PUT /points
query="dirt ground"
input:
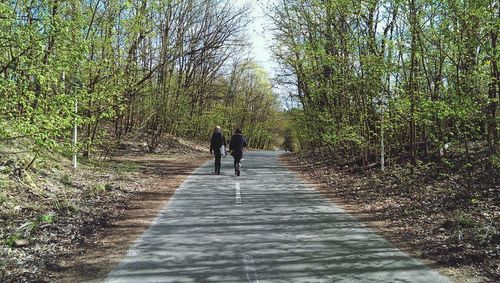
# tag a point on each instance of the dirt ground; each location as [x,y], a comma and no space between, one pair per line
[101,251]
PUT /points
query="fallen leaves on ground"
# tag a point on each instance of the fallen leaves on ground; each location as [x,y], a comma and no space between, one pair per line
[440,213]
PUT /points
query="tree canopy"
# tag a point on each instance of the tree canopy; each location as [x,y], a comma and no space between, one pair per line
[158,67]
[430,68]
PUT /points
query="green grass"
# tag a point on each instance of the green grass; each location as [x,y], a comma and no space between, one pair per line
[495,161]
[11,240]
[47,218]
[102,188]
[64,206]
[4,185]
[128,166]
[3,197]
[464,220]
[66,180]
[99,188]
[116,166]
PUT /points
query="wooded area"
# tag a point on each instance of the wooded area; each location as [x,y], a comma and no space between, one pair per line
[411,84]
[136,87]
[114,67]
[421,73]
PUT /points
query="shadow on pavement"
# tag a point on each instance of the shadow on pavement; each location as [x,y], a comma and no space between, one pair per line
[283,231]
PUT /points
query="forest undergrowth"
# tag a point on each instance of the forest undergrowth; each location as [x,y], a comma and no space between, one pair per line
[51,209]
[444,210]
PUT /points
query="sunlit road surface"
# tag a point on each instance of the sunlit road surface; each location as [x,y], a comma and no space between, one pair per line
[264,226]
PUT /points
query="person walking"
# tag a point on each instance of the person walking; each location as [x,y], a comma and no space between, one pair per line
[236,146]
[216,143]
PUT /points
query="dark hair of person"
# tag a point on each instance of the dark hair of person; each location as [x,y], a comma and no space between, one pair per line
[238,131]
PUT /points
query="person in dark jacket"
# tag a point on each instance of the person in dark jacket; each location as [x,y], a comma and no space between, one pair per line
[216,143]
[236,146]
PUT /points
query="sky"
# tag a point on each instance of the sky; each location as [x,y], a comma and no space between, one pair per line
[259,36]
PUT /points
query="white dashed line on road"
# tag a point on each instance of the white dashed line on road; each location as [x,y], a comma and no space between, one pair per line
[250,270]
[238,194]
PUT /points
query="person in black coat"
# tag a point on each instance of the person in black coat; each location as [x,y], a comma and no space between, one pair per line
[236,146]
[216,142]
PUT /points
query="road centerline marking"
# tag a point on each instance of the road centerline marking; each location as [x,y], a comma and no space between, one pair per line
[238,193]
[250,270]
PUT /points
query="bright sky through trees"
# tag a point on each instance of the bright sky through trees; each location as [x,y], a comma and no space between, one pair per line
[259,34]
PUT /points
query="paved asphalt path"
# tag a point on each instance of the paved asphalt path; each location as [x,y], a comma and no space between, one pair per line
[264,226]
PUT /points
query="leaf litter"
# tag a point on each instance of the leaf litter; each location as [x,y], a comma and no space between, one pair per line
[443,215]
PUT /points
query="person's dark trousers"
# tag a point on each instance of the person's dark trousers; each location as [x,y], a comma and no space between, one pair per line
[218,156]
[237,160]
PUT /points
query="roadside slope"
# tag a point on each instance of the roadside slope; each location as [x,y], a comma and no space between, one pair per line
[421,214]
[59,224]
[159,179]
